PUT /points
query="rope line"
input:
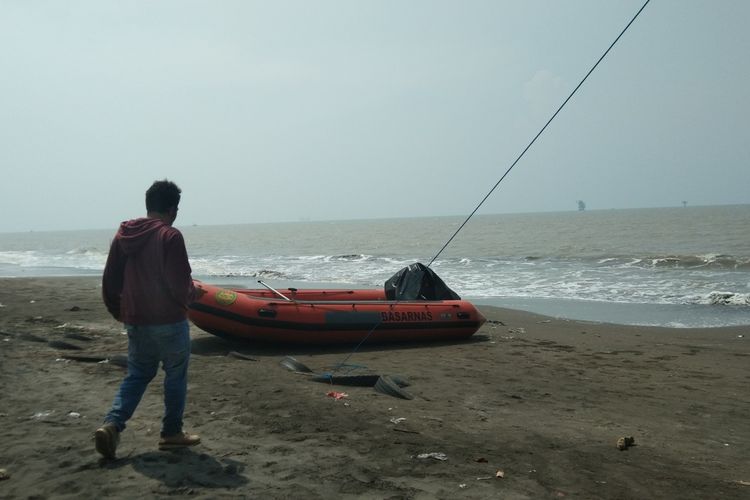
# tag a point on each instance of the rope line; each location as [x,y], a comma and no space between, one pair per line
[343,363]
[539,133]
[340,365]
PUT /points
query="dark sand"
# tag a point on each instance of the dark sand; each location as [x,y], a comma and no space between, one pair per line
[543,400]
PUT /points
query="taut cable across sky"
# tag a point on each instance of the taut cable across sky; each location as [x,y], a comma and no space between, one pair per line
[539,133]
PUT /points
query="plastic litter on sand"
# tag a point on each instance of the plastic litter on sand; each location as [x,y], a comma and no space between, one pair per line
[337,395]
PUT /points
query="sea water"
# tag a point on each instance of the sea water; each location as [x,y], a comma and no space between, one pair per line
[685,266]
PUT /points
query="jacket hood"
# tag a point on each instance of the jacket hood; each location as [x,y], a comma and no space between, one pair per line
[133,234]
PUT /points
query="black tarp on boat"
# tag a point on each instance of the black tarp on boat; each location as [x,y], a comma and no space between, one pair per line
[418,282]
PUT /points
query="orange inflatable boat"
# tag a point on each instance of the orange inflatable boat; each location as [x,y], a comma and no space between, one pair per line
[329,316]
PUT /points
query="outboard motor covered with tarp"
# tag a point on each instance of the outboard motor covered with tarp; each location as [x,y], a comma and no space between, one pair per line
[418,282]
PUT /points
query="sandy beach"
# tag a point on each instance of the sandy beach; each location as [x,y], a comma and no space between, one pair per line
[530,407]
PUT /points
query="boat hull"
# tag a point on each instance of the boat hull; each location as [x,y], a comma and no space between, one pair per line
[329,316]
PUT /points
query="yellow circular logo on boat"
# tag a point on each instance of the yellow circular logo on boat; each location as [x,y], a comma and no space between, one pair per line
[225,297]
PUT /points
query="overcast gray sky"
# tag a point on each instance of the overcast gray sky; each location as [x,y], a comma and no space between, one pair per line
[291,110]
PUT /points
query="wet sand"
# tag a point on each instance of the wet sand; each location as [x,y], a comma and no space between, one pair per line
[540,401]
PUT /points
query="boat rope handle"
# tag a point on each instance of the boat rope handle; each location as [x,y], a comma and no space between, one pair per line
[275,291]
[539,133]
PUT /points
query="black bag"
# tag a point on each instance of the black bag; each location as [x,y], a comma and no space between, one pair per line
[418,282]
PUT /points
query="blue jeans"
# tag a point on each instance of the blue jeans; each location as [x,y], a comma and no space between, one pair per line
[149,345]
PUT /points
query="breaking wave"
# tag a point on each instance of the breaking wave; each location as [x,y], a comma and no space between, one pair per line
[707,261]
[726,298]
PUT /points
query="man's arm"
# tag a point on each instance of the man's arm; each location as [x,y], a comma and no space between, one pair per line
[177,271]
[113,279]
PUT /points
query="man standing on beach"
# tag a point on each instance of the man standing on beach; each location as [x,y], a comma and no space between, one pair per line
[147,285]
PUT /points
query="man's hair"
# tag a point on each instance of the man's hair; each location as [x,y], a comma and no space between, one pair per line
[161,196]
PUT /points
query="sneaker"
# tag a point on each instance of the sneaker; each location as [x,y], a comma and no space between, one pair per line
[107,437]
[180,440]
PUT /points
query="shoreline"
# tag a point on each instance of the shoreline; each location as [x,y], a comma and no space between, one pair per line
[541,399]
[622,313]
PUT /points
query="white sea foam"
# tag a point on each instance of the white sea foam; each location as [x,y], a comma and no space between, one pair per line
[75,260]
[28,258]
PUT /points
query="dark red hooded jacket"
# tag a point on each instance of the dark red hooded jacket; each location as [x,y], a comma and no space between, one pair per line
[147,276]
